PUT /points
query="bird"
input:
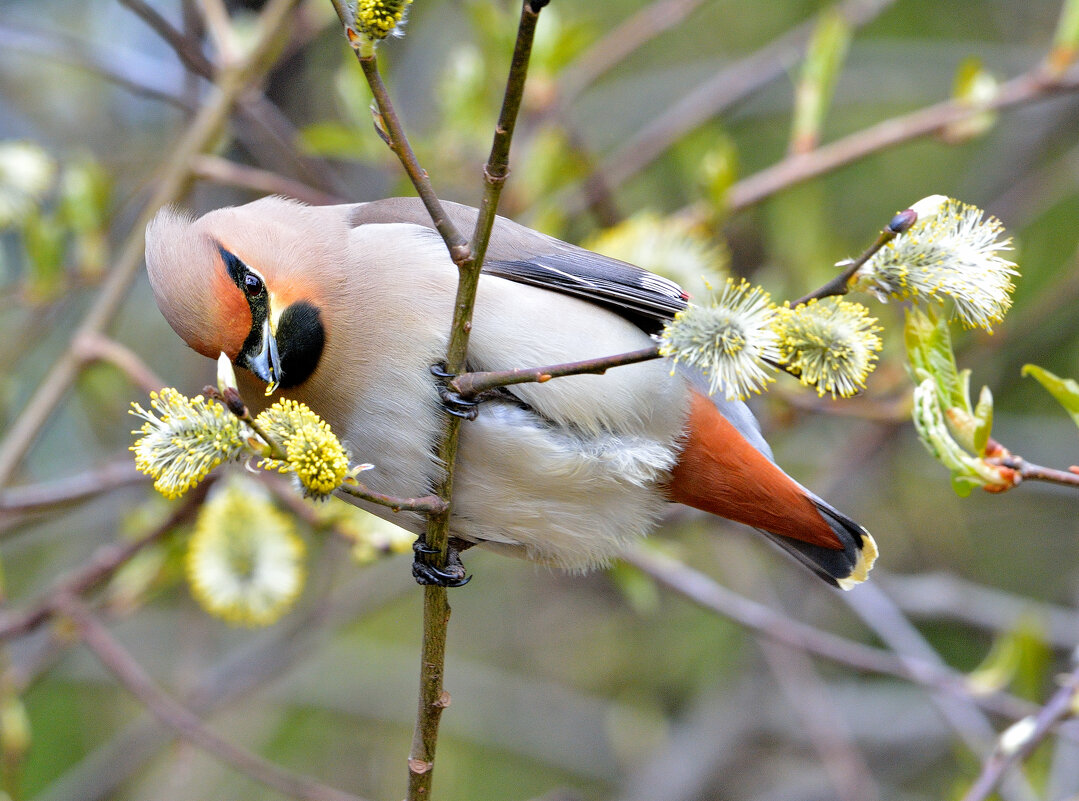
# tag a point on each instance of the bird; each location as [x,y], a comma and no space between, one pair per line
[347,308]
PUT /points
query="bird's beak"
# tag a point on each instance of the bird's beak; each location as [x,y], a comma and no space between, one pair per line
[266,364]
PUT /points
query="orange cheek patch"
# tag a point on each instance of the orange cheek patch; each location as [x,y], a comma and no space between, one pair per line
[298,287]
[230,317]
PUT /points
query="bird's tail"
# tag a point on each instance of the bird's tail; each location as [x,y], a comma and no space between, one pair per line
[723,471]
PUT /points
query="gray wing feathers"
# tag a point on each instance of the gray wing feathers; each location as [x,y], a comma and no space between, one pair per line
[529,257]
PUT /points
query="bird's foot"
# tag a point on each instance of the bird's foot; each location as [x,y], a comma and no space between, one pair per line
[452,575]
[453,402]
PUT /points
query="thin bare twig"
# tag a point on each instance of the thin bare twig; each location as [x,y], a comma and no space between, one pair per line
[389,127]
[1026,88]
[884,618]
[943,596]
[469,259]
[428,504]
[841,283]
[624,39]
[96,347]
[1034,472]
[101,565]
[186,49]
[468,385]
[707,593]
[436,609]
[71,489]
[229,173]
[172,714]
[720,91]
[1006,755]
[64,49]
[812,700]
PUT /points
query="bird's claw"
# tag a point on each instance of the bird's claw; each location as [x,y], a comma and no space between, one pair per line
[439,371]
[452,575]
[452,402]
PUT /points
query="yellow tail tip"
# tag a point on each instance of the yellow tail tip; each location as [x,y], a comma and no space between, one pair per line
[865,562]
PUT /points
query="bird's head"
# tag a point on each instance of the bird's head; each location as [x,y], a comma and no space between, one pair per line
[249,282]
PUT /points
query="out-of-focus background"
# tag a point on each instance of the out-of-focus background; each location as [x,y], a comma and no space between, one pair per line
[604,686]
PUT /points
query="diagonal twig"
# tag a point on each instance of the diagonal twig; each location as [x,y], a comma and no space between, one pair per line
[186,49]
[175,716]
[707,593]
[70,489]
[726,87]
[101,565]
[1033,730]
[1026,88]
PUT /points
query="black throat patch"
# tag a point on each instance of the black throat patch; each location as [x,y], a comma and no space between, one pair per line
[300,334]
[300,340]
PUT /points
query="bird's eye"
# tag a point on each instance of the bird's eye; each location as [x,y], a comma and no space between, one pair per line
[252,285]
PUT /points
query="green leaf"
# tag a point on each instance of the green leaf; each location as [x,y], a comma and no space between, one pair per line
[45,242]
[929,348]
[974,87]
[1065,390]
[963,485]
[1066,38]
[1019,658]
[824,60]
[85,196]
[983,413]
[718,170]
[636,587]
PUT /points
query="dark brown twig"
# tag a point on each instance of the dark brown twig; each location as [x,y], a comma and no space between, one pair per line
[172,714]
[840,285]
[389,127]
[428,504]
[186,50]
[398,142]
[436,609]
[468,385]
[1034,472]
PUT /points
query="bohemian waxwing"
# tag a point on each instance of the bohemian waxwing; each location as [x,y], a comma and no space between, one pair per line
[347,308]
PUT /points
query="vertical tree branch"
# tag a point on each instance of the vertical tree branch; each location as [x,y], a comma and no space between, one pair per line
[469,260]
[436,609]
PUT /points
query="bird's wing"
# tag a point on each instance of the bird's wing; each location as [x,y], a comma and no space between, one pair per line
[520,254]
[643,297]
